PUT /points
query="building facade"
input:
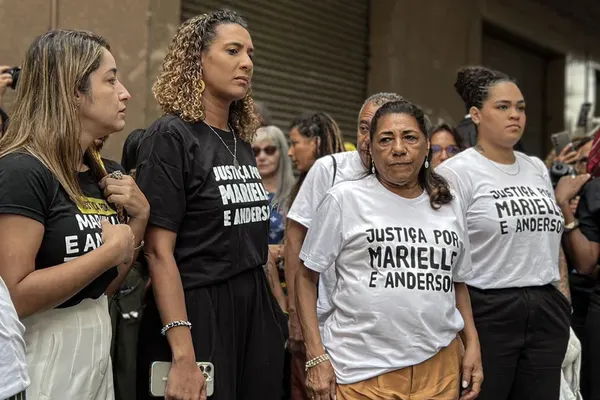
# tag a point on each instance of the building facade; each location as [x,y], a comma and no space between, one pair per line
[328,55]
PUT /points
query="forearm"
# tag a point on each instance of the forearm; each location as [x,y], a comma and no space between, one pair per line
[273,278]
[563,284]
[170,300]
[577,245]
[138,227]
[469,334]
[46,288]
[306,302]
[295,234]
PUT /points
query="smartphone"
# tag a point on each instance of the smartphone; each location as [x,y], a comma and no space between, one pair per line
[159,372]
[560,141]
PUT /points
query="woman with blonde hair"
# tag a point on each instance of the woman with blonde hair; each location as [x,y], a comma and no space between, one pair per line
[207,239]
[63,223]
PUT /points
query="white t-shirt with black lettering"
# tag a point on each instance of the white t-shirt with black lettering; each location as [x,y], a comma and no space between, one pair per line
[514,222]
[395,261]
[320,178]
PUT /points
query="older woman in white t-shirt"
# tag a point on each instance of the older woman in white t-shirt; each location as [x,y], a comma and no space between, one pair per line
[398,242]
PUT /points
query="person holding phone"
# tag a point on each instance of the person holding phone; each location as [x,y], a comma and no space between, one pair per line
[207,240]
[65,223]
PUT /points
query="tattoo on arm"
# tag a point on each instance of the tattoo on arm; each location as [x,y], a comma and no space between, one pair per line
[564,274]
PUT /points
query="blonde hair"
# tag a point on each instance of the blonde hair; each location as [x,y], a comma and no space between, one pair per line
[285,173]
[178,90]
[45,122]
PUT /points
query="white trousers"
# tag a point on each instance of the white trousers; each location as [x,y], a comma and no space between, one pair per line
[68,353]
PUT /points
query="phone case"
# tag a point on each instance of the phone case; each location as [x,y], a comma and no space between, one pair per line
[159,372]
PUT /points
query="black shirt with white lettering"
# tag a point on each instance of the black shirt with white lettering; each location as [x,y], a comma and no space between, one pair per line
[220,212]
[29,189]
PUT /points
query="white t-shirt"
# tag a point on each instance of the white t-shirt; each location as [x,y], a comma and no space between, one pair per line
[395,263]
[13,362]
[514,223]
[318,181]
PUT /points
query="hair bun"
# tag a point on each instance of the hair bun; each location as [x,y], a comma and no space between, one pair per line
[472,83]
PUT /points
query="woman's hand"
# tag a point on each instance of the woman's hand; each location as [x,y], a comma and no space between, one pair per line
[568,187]
[185,381]
[121,238]
[472,372]
[568,155]
[276,251]
[320,382]
[125,192]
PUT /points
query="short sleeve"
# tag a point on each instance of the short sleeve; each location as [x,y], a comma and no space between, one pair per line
[459,188]
[588,211]
[160,176]
[463,269]
[317,182]
[324,239]
[25,187]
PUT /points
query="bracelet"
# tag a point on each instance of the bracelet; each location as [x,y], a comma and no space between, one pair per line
[174,324]
[139,247]
[316,361]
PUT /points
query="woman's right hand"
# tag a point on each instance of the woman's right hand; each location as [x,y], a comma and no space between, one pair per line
[121,238]
[320,382]
[185,382]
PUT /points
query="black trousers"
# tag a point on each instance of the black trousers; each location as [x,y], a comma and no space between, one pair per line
[237,325]
[524,334]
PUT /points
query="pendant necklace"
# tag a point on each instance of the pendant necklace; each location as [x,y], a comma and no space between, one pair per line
[236,164]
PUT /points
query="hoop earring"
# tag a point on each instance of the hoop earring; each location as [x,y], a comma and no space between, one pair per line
[426,163]
[202,86]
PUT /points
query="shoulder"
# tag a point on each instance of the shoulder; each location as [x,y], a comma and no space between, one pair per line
[461,162]
[112,166]
[24,166]
[349,189]
[535,162]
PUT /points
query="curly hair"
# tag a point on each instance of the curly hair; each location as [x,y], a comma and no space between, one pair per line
[319,125]
[473,84]
[434,184]
[178,90]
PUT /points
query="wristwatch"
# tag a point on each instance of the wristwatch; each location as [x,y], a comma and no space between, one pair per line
[571,226]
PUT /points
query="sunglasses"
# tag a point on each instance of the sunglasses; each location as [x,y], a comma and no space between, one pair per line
[450,150]
[269,150]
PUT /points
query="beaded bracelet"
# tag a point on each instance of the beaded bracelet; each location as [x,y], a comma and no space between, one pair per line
[316,361]
[174,324]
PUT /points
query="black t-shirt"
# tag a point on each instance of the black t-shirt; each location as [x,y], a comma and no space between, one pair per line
[588,211]
[29,189]
[219,212]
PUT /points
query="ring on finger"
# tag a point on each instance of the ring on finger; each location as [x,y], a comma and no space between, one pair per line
[116,175]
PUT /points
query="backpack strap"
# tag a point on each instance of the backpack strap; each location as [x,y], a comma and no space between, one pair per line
[334,168]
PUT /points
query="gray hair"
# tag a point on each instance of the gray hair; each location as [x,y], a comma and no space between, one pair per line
[379,99]
[285,174]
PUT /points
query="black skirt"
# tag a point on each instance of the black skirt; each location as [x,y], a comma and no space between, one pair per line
[237,325]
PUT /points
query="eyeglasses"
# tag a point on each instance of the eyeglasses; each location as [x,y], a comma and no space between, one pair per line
[450,150]
[269,150]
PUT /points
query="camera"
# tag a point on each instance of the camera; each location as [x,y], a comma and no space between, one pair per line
[558,170]
[14,74]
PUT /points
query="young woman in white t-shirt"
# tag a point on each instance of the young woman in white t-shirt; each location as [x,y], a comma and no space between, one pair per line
[515,229]
[398,242]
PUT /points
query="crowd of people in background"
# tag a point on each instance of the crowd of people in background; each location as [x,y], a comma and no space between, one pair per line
[226,258]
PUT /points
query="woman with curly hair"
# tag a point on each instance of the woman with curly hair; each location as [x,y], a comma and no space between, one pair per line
[207,236]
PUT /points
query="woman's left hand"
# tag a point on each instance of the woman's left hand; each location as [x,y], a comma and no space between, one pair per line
[472,373]
[125,192]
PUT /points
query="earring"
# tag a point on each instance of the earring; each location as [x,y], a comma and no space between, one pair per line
[426,163]
[372,167]
[202,86]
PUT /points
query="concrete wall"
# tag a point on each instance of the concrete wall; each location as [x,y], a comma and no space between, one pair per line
[416,48]
[138,31]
